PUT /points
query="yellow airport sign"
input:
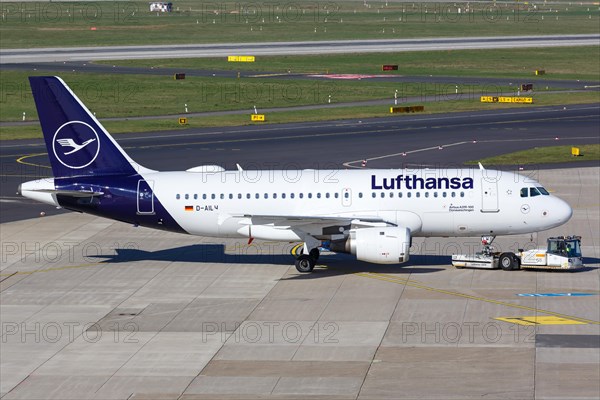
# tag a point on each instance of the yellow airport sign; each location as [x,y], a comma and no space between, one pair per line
[183,121]
[524,100]
[501,99]
[240,58]
[257,117]
[541,320]
[575,151]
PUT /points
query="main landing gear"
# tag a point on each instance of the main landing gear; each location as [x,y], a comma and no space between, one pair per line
[307,262]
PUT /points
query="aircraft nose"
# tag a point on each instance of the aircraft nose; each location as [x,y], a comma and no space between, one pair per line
[562,211]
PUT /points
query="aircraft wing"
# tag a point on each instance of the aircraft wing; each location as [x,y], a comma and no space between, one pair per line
[289,221]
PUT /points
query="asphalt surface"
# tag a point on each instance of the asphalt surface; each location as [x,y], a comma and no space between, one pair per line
[330,144]
[283,48]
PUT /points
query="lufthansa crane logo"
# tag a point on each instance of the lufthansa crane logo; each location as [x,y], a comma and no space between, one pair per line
[76,144]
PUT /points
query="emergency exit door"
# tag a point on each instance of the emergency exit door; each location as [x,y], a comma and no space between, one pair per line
[346,197]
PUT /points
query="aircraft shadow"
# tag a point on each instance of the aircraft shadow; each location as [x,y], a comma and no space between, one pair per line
[217,254]
[197,253]
[345,264]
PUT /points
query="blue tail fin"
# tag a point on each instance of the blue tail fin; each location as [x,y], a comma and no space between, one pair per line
[78,145]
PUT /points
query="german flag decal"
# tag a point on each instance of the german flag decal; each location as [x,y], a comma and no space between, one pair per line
[189,208]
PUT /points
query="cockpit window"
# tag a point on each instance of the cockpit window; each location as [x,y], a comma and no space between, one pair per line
[534,192]
[524,192]
[542,191]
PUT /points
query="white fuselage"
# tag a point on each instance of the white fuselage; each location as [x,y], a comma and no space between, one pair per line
[487,202]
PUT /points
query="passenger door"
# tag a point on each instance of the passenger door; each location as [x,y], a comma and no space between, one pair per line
[489,195]
[145,197]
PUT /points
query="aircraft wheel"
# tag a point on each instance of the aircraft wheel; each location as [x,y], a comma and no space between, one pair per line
[314,253]
[507,261]
[305,263]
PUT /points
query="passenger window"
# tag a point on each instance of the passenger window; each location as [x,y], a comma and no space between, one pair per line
[212,196]
[453,194]
[177,196]
[373,194]
[239,195]
[426,194]
[318,195]
[204,196]
[400,194]
[187,196]
[257,196]
[274,195]
[391,194]
[222,196]
[462,194]
[534,192]
[360,195]
[301,195]
[266,196]
[346,195]
[195,197]
[310,195]
[435,194]
[283,195]
[418,194]
[524,192]
[247,195]
[336,195]
[409,194]
[230,196]
[382,195]
[443,194]
[291,195]
[326,195]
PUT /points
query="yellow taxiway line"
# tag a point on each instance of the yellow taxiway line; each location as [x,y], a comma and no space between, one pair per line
[392,279]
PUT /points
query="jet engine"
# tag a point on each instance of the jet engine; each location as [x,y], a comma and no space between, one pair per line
[378,245]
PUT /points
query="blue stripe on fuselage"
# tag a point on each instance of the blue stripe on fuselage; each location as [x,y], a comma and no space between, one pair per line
[119,201]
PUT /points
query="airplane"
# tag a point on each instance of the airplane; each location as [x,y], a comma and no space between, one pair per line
[371,213]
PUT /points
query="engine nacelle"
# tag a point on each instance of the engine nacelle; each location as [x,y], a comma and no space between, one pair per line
[378,245]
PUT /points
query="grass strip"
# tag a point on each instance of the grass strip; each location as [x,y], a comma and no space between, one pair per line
[544,155]
[108,23]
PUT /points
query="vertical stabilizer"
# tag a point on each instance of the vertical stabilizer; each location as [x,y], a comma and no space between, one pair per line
[78,145]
